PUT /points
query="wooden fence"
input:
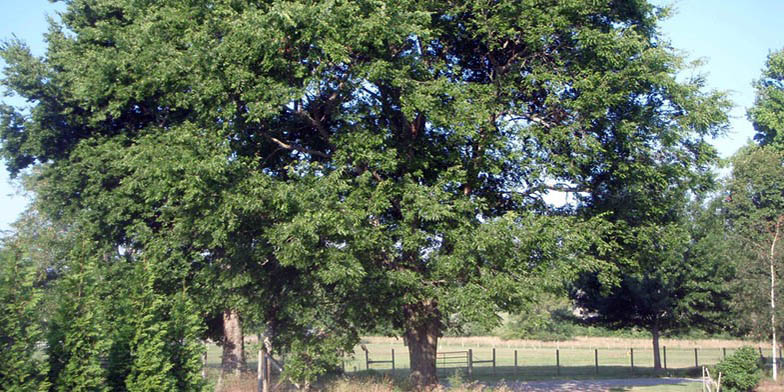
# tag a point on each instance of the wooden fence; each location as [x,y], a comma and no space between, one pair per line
[562,362]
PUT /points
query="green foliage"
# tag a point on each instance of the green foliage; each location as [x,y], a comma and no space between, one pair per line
[675,283]
[740,372]
[76,340]
[457,379]
[287,158]
[550,320]
[166,351]
[754,211]
[21,367]
[767,114]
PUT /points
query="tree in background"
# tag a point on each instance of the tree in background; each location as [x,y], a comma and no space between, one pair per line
[401,149]
[755,212]
[755,203]
[767,114]
[676,278]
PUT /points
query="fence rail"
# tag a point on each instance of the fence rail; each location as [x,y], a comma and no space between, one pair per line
[544,362]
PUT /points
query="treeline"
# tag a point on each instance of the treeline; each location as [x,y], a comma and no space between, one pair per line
[202,170]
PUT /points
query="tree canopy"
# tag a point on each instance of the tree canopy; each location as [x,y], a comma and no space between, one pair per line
[767,114]
[398,152]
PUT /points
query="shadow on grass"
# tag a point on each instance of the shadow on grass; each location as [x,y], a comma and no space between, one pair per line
[512,382]
[541,373]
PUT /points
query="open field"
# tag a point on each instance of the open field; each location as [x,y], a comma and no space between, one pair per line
[536,360]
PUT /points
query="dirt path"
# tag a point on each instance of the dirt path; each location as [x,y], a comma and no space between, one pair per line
[593,385]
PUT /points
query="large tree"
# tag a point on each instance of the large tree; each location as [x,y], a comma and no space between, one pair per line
[396,148]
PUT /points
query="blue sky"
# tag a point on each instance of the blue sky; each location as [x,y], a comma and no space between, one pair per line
[733,37]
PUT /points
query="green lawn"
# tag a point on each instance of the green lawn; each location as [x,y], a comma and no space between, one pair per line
[532,363]
[541,363]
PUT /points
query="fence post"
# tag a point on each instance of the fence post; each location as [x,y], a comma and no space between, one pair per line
[557,362]
[596,359]
[265,368]
[393,360]
[724,353]
[493,360]
[367,360]
[515,368]
[470,362]
[761,356]
[259,369]
[696,359]
[665,357]
[204,362]
[631,357]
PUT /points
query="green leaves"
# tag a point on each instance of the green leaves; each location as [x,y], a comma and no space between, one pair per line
[767,114]
[21,368]
[315,153]
[754,207]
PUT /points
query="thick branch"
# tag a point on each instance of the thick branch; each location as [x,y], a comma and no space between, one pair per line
[295,147]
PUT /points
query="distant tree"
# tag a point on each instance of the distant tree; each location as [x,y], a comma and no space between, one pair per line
[755,214]
[675,277]
[755,200]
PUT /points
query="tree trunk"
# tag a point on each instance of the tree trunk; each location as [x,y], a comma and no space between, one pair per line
[423,331]
[772,258]
[656,355]
[233,359]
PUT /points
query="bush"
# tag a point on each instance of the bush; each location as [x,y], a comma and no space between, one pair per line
[740,371]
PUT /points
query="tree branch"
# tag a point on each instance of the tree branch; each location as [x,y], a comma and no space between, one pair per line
[295,147]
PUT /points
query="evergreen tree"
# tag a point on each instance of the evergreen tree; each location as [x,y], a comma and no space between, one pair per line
[21,297]
[77,335]
[166,349]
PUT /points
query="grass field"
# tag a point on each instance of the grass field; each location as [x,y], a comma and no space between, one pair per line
[536,360]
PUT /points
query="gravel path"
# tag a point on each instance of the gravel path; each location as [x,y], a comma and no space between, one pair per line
[593,385]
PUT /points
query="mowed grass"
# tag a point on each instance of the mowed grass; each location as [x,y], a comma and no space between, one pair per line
[536,360]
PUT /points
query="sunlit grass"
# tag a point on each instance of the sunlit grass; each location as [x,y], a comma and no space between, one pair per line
[536,360]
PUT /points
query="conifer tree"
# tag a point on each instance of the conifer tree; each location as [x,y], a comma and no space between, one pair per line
[77,334]
[21,333]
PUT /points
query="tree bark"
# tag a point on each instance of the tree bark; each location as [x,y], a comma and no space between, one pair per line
[656,355]
[423,331]
[772,258]
[233,359]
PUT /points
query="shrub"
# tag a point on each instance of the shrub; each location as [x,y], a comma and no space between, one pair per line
[740,371]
